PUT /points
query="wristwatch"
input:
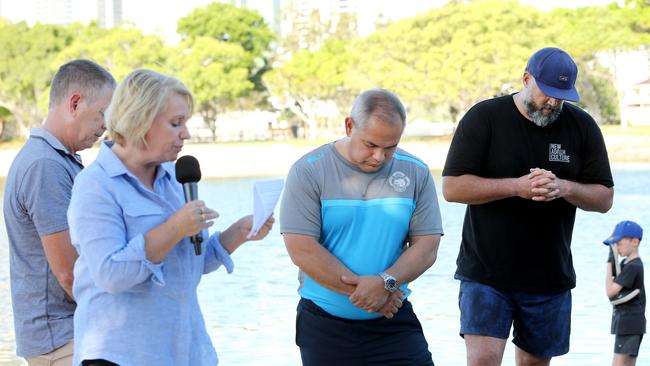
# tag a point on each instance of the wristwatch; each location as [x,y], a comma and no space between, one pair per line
[390,283]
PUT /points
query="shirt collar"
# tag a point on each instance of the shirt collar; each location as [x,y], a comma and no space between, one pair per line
[114,166]
[46,136]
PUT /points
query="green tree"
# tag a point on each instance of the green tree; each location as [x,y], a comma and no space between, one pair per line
[450,58]
[5,117]
[315,60]
[597,93]
[25,72]
[227,23]
[468,51]
[216,72]
[311,78]
[120,50]
[588,30]
[453,56]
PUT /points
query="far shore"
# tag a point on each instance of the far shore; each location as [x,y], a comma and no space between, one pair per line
[257,159]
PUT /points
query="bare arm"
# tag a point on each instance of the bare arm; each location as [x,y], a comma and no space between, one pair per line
[540,185]
[588,197]
[237,233]
[612,287]
[187,221]
[61,256]
[420,256]
[475,190]
[317,263]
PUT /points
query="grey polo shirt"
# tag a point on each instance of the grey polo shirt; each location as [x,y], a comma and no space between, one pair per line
[363,219]
[36,198]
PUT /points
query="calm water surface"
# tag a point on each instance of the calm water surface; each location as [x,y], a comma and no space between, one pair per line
[250,313]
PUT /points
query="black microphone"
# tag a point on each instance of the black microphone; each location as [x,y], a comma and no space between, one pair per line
[188,173]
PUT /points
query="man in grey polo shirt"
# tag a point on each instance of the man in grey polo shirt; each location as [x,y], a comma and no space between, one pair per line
[37,194]
[360,218]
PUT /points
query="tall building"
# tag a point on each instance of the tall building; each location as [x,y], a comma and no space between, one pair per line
[54,11]
[313,20]
[107,12]
[270,10]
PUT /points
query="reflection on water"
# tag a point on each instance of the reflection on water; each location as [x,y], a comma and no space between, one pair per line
[250,313]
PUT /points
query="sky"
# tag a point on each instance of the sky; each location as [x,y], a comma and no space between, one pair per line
[160,16]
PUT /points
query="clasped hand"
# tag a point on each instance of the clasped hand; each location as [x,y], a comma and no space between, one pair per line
[541,185]
[371,295]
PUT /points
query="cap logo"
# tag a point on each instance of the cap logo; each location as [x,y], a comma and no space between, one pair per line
[564,78]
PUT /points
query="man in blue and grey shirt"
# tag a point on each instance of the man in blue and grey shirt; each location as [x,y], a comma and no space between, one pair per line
[360,218]
[36,201]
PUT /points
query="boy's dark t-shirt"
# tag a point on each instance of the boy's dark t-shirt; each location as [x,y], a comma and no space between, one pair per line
[629,318]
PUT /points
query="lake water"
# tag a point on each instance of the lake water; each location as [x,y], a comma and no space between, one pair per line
[250,313]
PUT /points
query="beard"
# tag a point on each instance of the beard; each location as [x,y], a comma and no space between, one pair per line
[537,114]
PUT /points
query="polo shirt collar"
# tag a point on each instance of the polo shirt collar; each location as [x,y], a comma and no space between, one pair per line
[46,136]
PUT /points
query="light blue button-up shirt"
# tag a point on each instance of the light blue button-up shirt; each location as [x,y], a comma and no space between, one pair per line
[129,310]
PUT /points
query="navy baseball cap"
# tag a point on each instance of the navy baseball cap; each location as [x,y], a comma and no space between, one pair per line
[624,229]
[555,73]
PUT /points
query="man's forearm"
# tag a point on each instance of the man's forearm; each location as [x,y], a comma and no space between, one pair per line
[420,256]
[61,256]
[475,190]
[588,197]
[317,263]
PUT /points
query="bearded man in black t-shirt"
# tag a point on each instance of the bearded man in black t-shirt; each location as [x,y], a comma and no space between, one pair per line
[523,163]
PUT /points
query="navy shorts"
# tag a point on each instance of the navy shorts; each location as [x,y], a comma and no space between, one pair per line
[326,340]
[541,322]
[628,344]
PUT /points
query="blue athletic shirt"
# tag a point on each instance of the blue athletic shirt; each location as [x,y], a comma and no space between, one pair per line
[363,219]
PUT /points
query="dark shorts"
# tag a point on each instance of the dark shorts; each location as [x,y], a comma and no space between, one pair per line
[328,340]
[541,322]
[628,344]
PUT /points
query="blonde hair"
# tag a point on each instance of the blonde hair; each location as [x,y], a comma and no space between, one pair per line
[137,101]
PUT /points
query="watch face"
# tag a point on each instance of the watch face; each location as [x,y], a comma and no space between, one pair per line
[391,284]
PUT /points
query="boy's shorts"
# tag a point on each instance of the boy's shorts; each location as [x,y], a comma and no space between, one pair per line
[542,322]
[628,344]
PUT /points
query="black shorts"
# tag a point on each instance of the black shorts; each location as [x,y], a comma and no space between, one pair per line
[326,340]
[628,344]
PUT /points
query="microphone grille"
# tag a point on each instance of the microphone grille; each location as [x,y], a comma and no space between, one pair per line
[187,169]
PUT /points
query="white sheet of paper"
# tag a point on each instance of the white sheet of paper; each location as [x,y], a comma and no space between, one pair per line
[265,197]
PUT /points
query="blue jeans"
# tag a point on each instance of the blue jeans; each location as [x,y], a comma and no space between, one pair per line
[541,322]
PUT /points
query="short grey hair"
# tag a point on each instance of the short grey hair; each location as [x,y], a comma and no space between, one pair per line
[136,103]
[380,103]
[81,74]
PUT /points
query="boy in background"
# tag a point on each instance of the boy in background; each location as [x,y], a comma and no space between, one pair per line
[624,284]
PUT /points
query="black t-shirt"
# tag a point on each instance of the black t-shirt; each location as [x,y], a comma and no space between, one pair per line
[629,317]
[515,243]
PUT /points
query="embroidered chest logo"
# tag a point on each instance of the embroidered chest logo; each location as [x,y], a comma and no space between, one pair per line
[556,153]
[399,181]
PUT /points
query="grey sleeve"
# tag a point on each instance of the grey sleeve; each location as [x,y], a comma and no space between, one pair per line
[300,211]
[46,190]
[426,219]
